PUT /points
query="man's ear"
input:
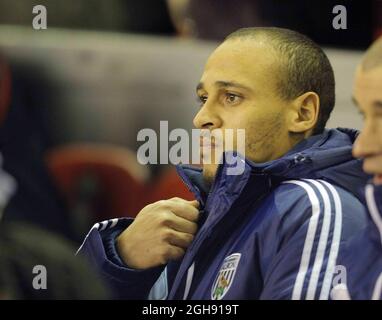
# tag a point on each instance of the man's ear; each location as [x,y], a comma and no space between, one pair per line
[303,113]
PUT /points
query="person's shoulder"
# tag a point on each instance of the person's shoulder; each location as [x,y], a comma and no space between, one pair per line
[309,197]
[316,191]
[298,195]
[362,260]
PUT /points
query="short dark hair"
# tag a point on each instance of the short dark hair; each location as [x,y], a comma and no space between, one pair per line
[306,67]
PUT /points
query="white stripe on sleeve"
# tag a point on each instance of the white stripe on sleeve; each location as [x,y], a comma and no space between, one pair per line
[322,242]
[377,292]
[309,240]
[332,259]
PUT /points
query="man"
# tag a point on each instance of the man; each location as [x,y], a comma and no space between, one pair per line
[363,259]
[272,232]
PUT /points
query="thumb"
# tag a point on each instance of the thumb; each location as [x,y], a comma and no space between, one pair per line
[194,203]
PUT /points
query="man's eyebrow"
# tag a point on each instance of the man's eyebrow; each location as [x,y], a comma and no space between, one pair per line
[225,84]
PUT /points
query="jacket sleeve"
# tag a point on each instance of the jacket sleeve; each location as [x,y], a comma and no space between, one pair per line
[363,255]
[100,249]
[314,219]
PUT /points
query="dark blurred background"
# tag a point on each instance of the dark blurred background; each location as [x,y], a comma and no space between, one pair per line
[205,19]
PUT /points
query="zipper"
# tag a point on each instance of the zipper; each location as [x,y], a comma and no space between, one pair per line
[189,185]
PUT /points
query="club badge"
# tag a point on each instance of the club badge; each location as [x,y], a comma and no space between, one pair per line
[225,276]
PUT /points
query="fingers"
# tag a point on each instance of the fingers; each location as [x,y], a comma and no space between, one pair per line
[194,203]
[163,230]
[178,239]
[182,225]
[185,209]
[174,253]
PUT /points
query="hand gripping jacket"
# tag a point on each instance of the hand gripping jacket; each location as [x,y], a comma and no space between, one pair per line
[272,232]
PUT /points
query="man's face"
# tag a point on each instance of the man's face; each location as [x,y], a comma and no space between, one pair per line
[238,91]
[367,94]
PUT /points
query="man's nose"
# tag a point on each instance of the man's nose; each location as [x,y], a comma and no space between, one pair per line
[365,144]
[207,118]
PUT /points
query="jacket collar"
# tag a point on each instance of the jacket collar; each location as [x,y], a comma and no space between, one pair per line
[326,156]
[233,185]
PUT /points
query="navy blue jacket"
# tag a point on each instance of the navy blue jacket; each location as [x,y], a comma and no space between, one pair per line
[273,232]
[362,257]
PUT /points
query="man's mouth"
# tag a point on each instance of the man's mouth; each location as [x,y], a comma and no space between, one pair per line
[378,179]
[372,165]
[207,143]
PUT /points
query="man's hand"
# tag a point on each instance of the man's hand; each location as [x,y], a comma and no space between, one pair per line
[162,231]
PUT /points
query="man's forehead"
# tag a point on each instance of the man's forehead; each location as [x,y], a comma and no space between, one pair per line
[367,89]
[368,81]
[240,59]
[242,50]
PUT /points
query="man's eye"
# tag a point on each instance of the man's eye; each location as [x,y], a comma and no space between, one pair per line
[232,98]
[202,99]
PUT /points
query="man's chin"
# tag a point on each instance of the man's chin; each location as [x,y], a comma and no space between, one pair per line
[209,172]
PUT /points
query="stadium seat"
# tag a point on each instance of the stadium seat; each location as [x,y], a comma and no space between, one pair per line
[168,185]
[98,181]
